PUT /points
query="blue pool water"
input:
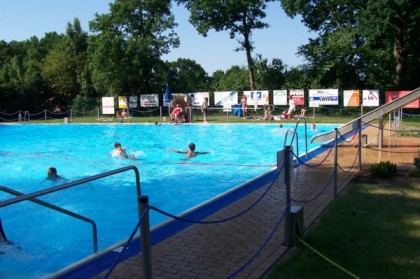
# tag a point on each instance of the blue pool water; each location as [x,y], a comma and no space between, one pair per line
[46,241]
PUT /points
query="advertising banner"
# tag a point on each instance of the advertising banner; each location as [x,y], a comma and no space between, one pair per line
[257,98]
[197,98]
[370,98]
[108,105]
[319,97]
[392,95]
[280,97]
[323,97]
[132,101]
[225,99]
[298,96]
[351,98]
[122,102]
[149,100]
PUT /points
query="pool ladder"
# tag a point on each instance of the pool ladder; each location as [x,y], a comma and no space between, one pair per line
[295,133]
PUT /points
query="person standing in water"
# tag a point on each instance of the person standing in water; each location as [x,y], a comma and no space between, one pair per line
[204,108]
[190,152]
[120,152]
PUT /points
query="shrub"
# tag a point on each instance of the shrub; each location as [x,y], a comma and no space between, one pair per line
[383,169]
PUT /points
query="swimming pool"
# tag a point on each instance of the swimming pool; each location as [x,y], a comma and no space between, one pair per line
[48,241]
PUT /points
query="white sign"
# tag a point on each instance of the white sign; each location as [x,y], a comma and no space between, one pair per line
[323,97]
[149,100]
[225,98]
[280,97]
[197,98]
[108,105]
[370,98]
[351,98]
[257,97]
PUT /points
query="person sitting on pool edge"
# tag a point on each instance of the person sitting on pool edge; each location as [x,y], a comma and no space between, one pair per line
[52,174]
[119,151]
[176,114]
[190,153]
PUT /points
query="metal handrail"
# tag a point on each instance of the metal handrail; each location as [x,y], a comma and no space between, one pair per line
[62,210]
[294,132]
[297,138]
[75,183]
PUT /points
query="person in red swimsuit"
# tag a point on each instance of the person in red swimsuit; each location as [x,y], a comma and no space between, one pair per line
[176,114]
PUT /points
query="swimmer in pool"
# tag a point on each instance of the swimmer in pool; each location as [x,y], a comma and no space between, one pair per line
[119,152]
[52,174]
[190,153]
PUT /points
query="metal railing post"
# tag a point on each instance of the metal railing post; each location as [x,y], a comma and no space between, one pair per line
[335,161]
[288,234]
[360,144]
[306,137]
[145,237]
[381,132]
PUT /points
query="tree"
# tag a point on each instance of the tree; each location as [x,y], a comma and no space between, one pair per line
[185,75]
[235,78]
[21,84]
[394,27]
[269,75]
[63,66]
[361,42]
[240,18]
[128,44]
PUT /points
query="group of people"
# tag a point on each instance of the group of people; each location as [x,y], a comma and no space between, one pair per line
[120,152]
[268,114]
[122,115]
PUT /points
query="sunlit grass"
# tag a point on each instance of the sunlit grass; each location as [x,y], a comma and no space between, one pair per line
[371,231]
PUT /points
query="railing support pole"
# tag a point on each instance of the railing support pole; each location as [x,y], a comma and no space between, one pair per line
[288,222]
[360,144]
[145,237]
[306,137]
[45,115]
[381,132]
[335,161]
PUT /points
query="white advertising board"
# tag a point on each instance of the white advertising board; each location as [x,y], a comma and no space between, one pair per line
[149,100]
[280,97]
[108,105]
[225,99]
[370,98]
[351,98]
[197,98]
[323,97]
[257,98]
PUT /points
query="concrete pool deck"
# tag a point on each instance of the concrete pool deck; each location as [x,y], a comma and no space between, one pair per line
[219,250]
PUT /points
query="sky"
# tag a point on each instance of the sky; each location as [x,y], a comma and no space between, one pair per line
[21,19]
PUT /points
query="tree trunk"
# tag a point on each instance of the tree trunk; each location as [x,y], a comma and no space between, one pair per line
[399,55]
[248,48]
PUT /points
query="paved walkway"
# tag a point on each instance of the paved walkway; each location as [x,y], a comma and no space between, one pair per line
[220,250]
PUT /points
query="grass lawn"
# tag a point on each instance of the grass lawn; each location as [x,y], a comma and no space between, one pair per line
[372,231]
